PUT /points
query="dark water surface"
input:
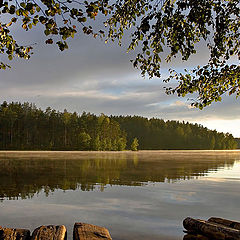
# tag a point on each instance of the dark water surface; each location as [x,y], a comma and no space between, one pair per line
[142,195]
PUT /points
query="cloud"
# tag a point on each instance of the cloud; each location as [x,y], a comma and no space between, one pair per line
[178,103]
[92,76]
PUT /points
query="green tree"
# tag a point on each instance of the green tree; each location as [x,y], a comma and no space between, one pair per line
[84,141]
[176,27]
[24,126]
[66,119]
[156,27]
[212,143]
[109,145]
[134,145]
[121,144]
[96,144]
[104,144]
[114,145]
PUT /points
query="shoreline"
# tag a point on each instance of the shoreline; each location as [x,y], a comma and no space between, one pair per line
[150,154]
[125,151]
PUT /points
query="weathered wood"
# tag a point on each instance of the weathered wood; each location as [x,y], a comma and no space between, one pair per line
[50,232]
[225,222]
[211,230]
[84,231]
[195,237]
[14,234]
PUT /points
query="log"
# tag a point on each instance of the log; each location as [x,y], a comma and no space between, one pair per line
[211,230]
[225,222]
[84,231]
[14,234]
[195,237]
[50,232]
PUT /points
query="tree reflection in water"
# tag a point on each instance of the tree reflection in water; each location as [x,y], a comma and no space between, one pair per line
[24,174]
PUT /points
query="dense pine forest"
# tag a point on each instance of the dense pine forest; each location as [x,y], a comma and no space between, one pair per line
[238,142]
[26,127]
[159,134]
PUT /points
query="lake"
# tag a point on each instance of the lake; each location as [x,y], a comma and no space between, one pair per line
[136,195]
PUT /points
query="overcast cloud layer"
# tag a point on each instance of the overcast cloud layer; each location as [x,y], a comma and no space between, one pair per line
[99,78]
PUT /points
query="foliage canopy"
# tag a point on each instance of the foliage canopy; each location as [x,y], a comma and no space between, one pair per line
[157,26]
[134,145]
[23,126]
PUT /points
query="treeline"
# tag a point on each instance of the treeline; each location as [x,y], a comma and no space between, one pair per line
[159,134]
[26,127]
[238,142]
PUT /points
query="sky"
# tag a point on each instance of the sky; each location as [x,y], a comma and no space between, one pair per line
[99,78]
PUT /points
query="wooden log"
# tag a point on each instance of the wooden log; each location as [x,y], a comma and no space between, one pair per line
[195,237]
[211,230]
[225,222]
[50,232]
[14,234]
[84,231]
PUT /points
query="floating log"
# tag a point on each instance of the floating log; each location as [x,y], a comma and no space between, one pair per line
[211,229]
[50,232]
[84,231]
[14,234]
[225,222]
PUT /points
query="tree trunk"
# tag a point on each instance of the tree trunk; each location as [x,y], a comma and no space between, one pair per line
[65,136]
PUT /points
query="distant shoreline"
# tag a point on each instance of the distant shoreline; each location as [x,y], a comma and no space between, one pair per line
[24,126]
[125,151]
[93,154]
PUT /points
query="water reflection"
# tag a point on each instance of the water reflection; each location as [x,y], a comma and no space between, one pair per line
[24,174]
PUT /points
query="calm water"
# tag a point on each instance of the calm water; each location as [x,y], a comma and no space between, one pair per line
[143,195]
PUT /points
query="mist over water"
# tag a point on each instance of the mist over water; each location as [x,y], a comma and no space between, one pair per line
[136,195]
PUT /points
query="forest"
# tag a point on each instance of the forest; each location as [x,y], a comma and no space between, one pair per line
[23,126]
[156,133]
